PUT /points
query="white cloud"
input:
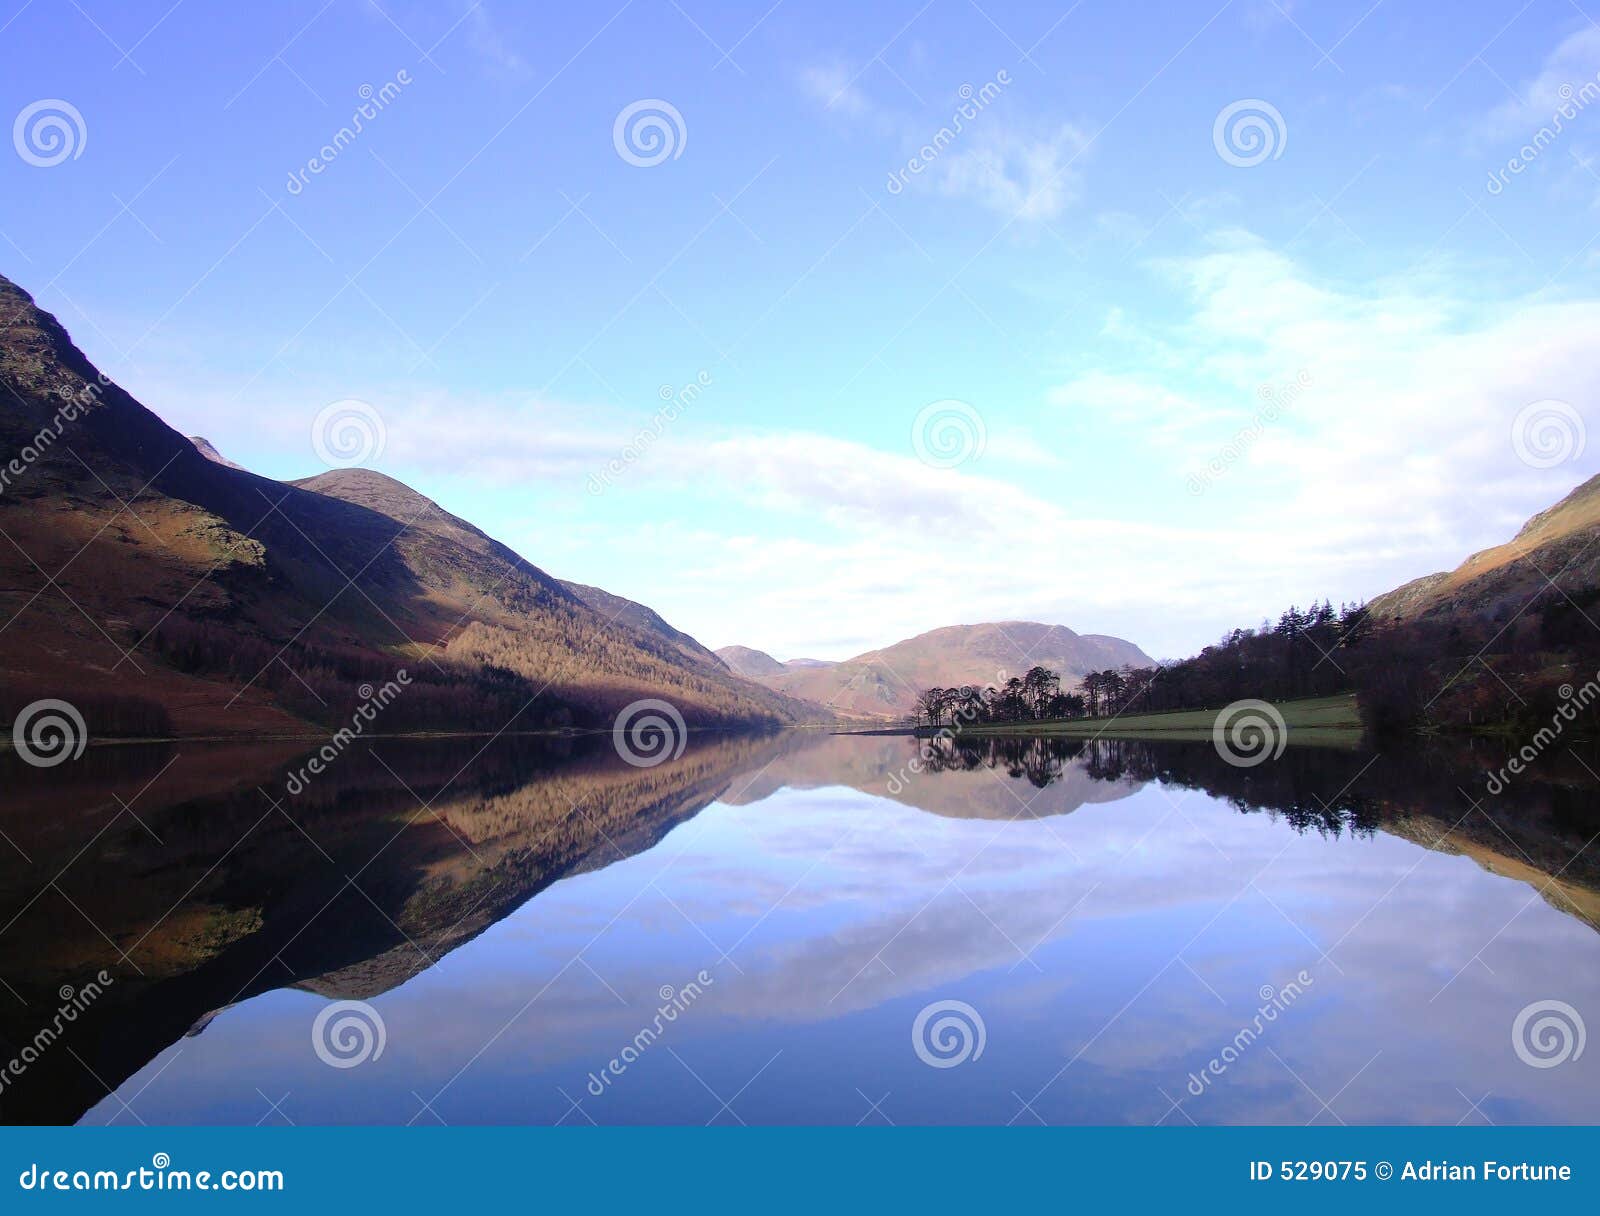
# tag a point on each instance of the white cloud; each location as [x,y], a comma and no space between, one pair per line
[1025,171]
[1395,461]
[833,86]
[1028,175]
[1569,67]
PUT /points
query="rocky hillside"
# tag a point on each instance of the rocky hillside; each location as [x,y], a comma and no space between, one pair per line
[160,589]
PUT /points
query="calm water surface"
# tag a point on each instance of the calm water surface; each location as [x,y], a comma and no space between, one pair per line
[1111,918]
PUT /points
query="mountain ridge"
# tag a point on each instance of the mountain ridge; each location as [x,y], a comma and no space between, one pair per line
[240,604]
[1493,581]
[883,683]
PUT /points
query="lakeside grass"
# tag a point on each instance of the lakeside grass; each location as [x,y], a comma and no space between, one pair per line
[1314,721]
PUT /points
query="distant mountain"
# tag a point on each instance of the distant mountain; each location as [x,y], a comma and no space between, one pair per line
[1556,551]
[884,683]
[204,447]
[750,663]
[401,503]
[811,663]
[159,588]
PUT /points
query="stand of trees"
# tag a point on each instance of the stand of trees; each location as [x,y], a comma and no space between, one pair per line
[1307,653]
[1507,670]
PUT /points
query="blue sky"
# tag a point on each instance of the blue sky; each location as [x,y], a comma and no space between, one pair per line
[1203,386]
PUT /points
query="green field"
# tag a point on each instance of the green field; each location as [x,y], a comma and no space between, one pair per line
[1317,721]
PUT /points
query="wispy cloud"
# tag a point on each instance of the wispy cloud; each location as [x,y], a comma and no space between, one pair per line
[1014,172]
[1574,63]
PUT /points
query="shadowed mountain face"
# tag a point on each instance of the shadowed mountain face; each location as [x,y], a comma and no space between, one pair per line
[884,683]
[161,589]
[196,880]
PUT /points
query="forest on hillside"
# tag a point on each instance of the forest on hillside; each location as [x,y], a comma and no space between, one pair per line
[1433,674]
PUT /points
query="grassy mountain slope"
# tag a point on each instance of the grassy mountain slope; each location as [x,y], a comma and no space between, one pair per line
[157,589]
[1557,546]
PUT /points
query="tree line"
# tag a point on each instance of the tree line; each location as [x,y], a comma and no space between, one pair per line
[1305,653]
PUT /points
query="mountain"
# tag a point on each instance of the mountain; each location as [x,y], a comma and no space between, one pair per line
[205,448]
[750,663]
[1497,644]
[643,618]
[1556,549]
[884,683]
[349,894]
[160,589]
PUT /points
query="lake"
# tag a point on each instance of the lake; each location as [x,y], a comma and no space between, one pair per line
[798,928]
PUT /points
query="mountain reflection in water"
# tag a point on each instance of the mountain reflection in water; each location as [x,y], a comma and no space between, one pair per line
[1104,906]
